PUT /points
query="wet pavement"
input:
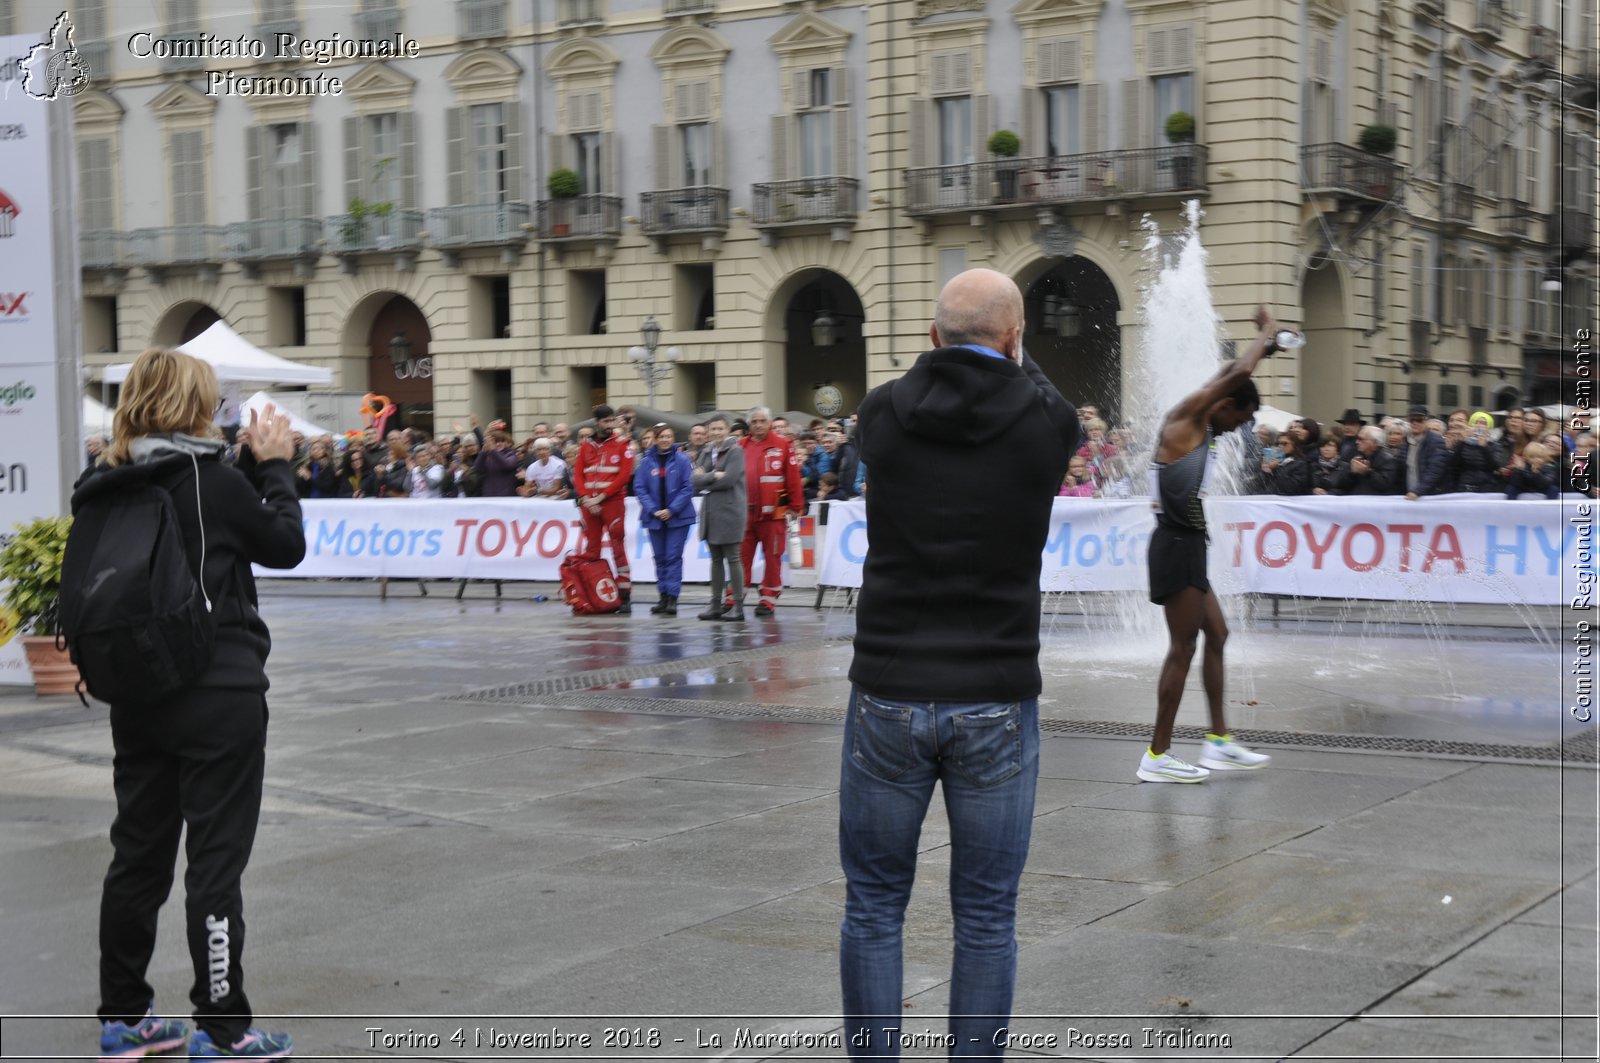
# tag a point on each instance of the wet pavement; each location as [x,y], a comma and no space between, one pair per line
[490,819]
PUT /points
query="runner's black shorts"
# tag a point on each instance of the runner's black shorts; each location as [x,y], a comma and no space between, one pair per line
[1177,560]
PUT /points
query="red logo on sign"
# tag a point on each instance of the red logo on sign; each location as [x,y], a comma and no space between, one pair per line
[8,214]
[11,303]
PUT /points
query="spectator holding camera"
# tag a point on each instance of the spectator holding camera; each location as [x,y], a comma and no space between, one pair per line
[496,466]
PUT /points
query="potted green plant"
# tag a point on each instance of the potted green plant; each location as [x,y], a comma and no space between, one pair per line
[30,563]
[353,230]
[1180,131]
[563,183]
[1005,145]
[1377,139]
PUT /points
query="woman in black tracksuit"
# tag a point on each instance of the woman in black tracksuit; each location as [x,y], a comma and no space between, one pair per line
[195,760]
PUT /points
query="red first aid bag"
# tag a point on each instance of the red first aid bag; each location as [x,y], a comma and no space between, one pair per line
[589,586]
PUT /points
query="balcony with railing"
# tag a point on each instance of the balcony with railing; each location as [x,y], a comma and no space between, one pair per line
[1517,217]
[377,24]
[581,219]
[688,7]
[96,55]
[267,33]
[1543,45]
[702,209]
[478,20]
[1349,172]
[573,13]
[1456,203]
[806,201]
[184,52]
[1056,181]
[266,238]
[103,249]
[1488,17]
[480,225]
[188,246]
[1478,345]
[357,234]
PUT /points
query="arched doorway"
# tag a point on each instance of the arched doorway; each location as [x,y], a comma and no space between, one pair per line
[1326,384]
[1070,310]
[394,338]
[823,345]
[183,322]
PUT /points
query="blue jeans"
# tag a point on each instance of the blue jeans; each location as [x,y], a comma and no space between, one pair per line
[667,546]
[986,755]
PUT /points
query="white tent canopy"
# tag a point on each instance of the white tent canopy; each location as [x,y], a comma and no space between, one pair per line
[297,423]
[236,359]
[96,418]
[1274,418]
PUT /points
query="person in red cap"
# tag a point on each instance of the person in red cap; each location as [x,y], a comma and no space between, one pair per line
[600,481]
[772,483]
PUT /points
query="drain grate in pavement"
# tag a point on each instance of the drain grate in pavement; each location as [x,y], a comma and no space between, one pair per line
[606,676]
[1580,749]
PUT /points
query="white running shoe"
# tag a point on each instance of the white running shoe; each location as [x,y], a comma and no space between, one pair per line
[1222,753]
[1168,768]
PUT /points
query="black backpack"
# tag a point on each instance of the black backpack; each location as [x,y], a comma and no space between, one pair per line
[136,619]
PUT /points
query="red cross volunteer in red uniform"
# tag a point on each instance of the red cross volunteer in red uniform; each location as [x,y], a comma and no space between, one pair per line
[600,480]
[772,480]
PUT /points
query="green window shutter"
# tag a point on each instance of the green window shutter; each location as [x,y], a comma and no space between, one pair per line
[408,161]
[455,155]
[355,169]
[843,143]
[780,147]
[307,175]
[1093,117]
[516,192]
[254,170]
[664,176]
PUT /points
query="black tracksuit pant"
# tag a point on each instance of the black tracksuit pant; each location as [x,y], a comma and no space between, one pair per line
[196,761]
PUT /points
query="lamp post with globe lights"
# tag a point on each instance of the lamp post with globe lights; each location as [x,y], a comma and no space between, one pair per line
[644,357]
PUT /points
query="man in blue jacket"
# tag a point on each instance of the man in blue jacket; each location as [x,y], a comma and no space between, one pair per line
[1424,456]
[662,484]
[945,679]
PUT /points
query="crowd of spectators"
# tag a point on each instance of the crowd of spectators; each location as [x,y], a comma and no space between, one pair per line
[1416,456]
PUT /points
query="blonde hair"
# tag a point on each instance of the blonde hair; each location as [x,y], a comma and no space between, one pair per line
[166,391]
[1536,452]
[1095,424]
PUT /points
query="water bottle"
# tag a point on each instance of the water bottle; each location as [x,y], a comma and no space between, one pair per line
[1287,339]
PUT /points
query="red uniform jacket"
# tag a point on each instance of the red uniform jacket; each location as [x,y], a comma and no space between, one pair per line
[604,468]
[772,477]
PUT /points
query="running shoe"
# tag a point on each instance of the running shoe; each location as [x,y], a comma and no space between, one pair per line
[1168,768]
[1222,753]
[149,1036]
[255,1044]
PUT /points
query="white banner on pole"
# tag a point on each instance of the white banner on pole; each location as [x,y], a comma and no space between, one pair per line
[38,291]
[1457,548]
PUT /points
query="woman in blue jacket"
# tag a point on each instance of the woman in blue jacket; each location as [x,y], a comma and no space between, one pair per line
[661,483]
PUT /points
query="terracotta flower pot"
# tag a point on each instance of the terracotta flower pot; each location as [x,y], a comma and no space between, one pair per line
[53,670]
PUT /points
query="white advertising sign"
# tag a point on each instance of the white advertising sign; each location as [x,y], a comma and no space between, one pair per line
[39,288]
[1458,548]
[480,538]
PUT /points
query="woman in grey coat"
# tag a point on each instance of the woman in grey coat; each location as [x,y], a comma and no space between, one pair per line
[719,476]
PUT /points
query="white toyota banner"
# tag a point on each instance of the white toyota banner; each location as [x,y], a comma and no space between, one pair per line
[1453,548]
[479,538]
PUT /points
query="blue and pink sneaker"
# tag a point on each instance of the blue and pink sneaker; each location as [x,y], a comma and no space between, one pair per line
[255,1044]
[149,1036]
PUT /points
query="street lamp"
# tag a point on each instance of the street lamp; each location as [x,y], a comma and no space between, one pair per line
[644,357]
[824,330]
[399,350]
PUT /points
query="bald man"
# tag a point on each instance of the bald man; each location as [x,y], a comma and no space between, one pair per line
[945,680]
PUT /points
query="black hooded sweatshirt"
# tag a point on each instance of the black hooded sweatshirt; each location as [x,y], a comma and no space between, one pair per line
[252,514]
[966,454]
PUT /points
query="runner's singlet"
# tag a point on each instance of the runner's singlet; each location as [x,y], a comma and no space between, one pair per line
[1177,487]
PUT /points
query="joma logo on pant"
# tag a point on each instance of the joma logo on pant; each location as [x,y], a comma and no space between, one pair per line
[217,952]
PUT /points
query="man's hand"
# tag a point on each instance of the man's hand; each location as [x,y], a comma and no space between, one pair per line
[304,472]
[1360,466]
[1411,496]
[663,514]
[474,420]
[1266,324]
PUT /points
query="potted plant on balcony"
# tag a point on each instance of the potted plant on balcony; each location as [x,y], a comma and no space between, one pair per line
[1377,139]
[1180,131]
[31,565]
[563,183]
[1005,145]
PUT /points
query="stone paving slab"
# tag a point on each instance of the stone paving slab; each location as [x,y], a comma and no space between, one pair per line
[429,858]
